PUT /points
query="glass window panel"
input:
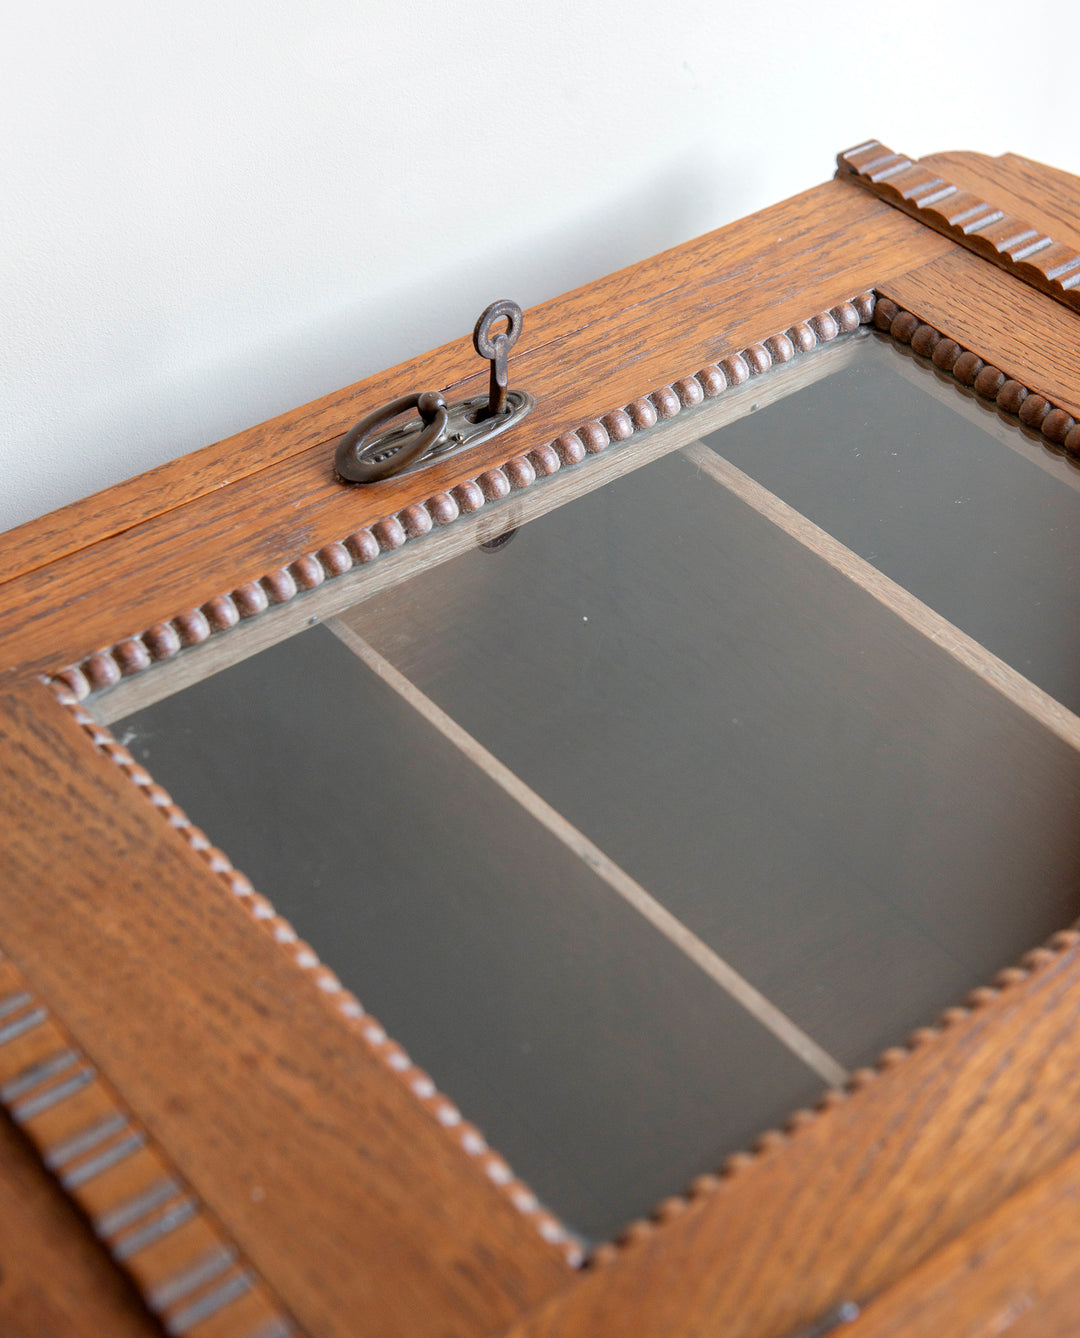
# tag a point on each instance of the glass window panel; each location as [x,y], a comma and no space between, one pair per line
[593,1053]
[863,827]
[700,719]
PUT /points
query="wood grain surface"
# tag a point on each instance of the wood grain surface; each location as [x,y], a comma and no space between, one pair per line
[982,225]
[189,1273]
[744,283]
[55,1278]
[1055,1313]
[855,1196]
[1019,185]
[1016,1271]
[1024,333]
[320,1163]
[234,1061]
[783,235]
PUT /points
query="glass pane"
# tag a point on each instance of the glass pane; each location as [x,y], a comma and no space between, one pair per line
[860,825]
[641,827]
[595,1055]
[975,516]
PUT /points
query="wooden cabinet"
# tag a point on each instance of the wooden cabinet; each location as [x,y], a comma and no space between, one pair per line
[656,924]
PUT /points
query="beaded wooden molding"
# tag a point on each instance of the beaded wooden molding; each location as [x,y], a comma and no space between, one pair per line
[1061,431]
[1056,425]
[187,1270]
[420,1086]
[964,217]
[773,1141]
[106,667]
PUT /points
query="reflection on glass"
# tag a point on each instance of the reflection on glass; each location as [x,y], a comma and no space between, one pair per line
[640,828]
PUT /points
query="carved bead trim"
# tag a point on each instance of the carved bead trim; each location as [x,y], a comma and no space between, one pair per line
[346,1005]
[134,1198]
[106,667]
[1062,432]
[74,684]
[1057,426]
[774,1140]
[1017,246]
[133,655]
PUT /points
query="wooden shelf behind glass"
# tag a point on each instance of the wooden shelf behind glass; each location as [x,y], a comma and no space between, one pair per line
[704,788]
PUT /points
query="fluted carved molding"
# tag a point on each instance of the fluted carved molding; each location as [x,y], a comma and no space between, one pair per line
[1003,238]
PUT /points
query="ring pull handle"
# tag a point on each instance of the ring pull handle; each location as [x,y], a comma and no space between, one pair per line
[497,349]
[364,455]
[373,450]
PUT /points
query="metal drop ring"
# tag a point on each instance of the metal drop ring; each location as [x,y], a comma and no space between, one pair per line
[358,462]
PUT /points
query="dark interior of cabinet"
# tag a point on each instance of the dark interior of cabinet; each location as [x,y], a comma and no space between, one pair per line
[860,826]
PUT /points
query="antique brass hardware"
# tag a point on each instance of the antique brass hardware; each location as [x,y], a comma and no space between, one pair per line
[366,454]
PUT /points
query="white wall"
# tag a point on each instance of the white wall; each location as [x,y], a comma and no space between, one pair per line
[217,209]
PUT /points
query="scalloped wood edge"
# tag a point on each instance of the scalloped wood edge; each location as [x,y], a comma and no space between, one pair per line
[189,1272]
[964,217]
[133,655]
[1057,426]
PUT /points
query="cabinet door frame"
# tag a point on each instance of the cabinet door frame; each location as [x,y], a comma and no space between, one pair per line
[312,1148]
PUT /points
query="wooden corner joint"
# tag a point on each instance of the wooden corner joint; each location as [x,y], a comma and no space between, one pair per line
[1008,241]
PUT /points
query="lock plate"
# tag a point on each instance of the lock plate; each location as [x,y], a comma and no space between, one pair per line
[371,451]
